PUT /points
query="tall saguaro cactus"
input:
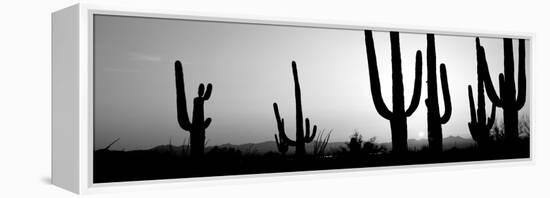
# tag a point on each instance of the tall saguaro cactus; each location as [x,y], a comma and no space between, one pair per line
[397,117]
[198,125]
[301,138]
[479,125]
[435,120]
[508,101]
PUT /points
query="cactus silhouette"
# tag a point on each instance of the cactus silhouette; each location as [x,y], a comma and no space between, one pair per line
[198,125]
[507,100]
[480,126]
[397,117]
[301,138]
[435,120]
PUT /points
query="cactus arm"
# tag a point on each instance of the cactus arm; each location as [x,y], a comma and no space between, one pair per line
[521,76]
[381,108]
[280,122]
[281,126]
[446,96]
[482,61]
[306,137]
[208,92]
[415,101]
[313,133]
[207,122]
[472,105]
[201,90]
[309,138]
[491,93]
[491,119]
[183,117]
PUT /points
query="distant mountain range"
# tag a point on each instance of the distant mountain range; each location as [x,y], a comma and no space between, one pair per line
[269,146]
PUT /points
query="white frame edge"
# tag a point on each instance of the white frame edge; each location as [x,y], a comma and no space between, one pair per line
[72,115]
[65,119]
[70,99]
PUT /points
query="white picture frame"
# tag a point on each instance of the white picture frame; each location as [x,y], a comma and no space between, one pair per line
[72,92]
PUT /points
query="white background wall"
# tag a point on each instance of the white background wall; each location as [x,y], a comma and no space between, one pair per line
[25,100]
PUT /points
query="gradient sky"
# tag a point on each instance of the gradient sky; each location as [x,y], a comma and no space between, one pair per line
[249,66]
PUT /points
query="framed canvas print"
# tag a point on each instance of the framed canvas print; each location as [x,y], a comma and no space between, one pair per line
[153,96]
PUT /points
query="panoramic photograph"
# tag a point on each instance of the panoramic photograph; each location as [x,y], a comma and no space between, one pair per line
[178,98]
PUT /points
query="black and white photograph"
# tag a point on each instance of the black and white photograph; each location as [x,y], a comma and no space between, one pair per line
[175,98]
[274,99]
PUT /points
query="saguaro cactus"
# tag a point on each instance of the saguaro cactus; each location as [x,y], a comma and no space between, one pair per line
[198,125]
[435,120]
[301,139]
[397,117]
[508,101]
[480,126]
